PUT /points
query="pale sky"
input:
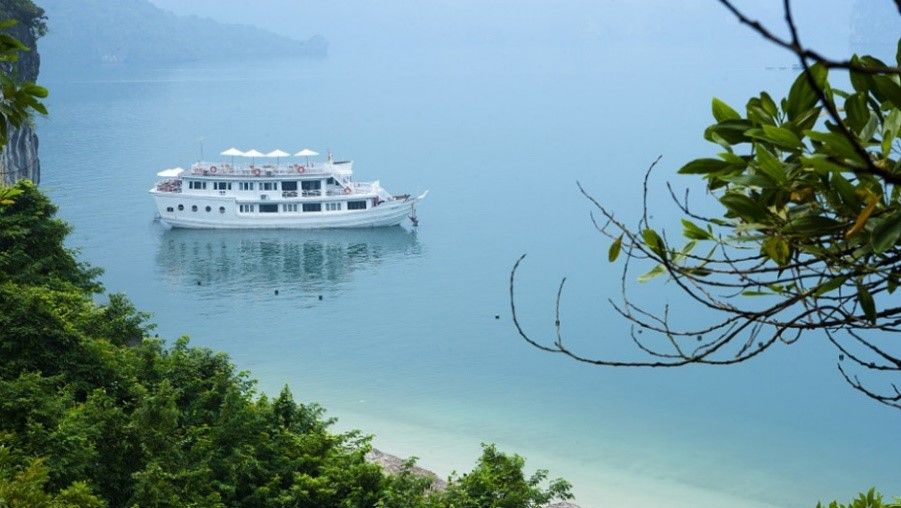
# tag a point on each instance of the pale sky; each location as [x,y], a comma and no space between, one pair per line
[393,24]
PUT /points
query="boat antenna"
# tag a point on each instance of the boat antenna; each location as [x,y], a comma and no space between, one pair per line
[201,148]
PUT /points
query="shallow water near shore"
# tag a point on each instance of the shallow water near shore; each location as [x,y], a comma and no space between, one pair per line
[394,330]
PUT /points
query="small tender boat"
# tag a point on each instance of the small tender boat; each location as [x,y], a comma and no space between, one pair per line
[313,195]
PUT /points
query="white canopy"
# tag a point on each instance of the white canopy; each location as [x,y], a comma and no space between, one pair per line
[252,153]
[306,152]
[232,151]
[169,173]
[277,153]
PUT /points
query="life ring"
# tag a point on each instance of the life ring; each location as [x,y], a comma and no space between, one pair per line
[213,169]
[300,168]
[347,190]
[255,171]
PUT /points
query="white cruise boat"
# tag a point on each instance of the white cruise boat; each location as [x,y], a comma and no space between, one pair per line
[312,195]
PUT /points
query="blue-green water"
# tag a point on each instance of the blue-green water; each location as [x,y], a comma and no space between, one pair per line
[404,342]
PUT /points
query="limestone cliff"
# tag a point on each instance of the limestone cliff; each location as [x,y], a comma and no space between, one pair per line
[19,159]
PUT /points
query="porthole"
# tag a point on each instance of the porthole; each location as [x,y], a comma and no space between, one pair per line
[208,209]
[181,208]
[193,208]
[221,209]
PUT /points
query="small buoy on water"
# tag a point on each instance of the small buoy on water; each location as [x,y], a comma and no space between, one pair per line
[198,283]
[496,316]
[320,297]
[276,291]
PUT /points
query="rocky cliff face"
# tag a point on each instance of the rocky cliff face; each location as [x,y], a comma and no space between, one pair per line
[19,159]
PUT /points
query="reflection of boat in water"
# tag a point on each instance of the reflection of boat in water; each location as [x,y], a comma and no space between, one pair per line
[240,260]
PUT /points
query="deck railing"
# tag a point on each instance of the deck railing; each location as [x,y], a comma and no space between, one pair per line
[227,169]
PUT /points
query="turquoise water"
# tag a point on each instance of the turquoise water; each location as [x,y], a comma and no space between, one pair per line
[403,341]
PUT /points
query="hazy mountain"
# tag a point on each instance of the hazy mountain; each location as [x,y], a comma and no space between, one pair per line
[136,32]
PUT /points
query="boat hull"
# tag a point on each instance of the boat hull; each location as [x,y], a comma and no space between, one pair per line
[224,214]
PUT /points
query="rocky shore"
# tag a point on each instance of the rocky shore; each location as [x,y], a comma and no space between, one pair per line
[19,158]
[393,464]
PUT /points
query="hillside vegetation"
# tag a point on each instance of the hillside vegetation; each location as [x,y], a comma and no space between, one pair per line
[136,32]
[94,413]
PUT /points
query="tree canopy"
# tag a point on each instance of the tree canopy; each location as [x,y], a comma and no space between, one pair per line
[94,412]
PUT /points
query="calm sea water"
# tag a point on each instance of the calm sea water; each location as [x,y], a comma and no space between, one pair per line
[404,342]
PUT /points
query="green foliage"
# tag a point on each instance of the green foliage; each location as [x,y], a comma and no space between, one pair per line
[498,482]
[20,101]
[796,191]
[94,414]
[870,499]
[31,243]
[800,188]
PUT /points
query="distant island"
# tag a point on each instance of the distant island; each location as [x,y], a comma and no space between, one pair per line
[97,33]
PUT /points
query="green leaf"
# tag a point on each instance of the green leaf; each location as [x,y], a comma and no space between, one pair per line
[757,293]
[776,249]
[733,131]
[801,96]
[847,192]
[703,166]
[887,89]
[866,133]
[781,136]
[768,104]
[744,207]
[812,225]
[886,233]
[830,285]
[821,162]
[866,303]
[694,232]
[898,53]
[655,272]
[835,144]
[769,165]
[890,130]
[856,111]
[653,241]
[723,112]
[615,247]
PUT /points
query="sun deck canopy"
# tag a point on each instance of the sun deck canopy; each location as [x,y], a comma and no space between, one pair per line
[170,173]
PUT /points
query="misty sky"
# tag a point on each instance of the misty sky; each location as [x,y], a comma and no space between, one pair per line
[357,25]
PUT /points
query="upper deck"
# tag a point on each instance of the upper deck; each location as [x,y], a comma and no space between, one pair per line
[338,169]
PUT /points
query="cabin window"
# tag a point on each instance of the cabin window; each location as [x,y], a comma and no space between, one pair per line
[289,207]
[245,208]
[221,209]
[170,209]
[196,185]
[332,206]
[181,208]
[208,209]
[246,185]
[289,185]
[331,181]
[193,208]
[268,208]
[311,184]
[222,186]
[356,205]
[268,186]
[312,207]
